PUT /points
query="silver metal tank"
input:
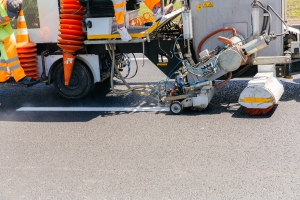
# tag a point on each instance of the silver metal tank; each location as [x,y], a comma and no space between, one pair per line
[208,16]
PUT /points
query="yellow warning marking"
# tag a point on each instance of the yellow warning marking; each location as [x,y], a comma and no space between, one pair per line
[208,4]
[133,35]
[198,7]
[162,64]
[256,100]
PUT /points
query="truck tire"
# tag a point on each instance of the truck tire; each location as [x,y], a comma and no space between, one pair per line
[81,82]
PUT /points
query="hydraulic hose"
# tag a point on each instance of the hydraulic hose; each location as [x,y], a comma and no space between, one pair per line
[213,33]
[224,82]
[225,40]
[243,70]
[270,17]
[266,18]
[130,89]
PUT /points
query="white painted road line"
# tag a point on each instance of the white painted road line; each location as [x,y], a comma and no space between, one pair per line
[95,109]
[140,58]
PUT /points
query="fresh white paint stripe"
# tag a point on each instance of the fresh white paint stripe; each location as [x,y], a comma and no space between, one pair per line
[140,58]
[95,109]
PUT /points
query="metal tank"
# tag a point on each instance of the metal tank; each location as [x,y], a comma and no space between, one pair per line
[208,16]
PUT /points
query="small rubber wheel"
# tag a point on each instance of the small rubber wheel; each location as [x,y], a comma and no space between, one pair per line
[176,108]
[81,82]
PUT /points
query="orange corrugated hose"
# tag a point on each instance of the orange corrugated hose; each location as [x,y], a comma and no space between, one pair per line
[71,37]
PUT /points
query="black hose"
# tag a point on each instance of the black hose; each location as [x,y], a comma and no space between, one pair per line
[265,21]
[243,70]
[260,5]
[136,70]
[270,18]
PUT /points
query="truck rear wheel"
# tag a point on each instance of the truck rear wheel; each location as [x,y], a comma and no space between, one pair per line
[81,82]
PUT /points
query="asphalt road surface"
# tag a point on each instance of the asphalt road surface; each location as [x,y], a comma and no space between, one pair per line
[219,153]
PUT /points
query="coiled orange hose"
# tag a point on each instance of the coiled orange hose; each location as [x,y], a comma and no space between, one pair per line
[213,33]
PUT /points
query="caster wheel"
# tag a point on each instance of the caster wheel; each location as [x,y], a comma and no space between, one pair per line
[176,108]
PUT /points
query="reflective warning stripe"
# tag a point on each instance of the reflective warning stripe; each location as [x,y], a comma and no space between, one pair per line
[116,2]
[13,63]
[15,67]
[3,65]
[4,20]
[256,100]
[12,60]
[2,61]
[120,9]
[21,18]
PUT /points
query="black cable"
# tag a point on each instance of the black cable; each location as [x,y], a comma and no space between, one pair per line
[243,70]
[136,67]
[163,50]
[265,20]
[270,16]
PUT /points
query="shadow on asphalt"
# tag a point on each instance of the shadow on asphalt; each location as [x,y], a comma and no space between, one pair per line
[224,101]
